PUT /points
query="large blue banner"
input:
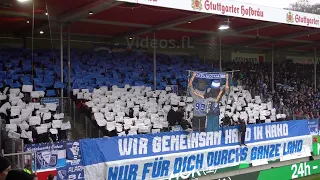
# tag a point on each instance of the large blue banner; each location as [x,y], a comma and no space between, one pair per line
[49,155]
[121,148]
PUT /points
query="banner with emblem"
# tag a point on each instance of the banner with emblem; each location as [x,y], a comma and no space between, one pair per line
[48,155]
[73,150]
[73,169]
[239,9]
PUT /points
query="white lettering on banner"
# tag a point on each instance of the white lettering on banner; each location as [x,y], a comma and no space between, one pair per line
[278,130]
[134,146]
[75,169]
[190,163]
[130,146]
[187,175]
[171,143]
[211,75]
[258,133]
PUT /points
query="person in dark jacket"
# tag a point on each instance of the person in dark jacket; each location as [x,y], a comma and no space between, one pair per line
[51,177]
[242,130]
[5,167]
[19,175]
[131,113]
[173,116]
[227,120]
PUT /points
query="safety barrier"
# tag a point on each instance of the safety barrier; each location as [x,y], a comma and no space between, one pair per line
[83,125]
[21,159]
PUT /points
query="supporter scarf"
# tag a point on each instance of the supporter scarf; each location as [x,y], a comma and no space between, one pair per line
[211,75]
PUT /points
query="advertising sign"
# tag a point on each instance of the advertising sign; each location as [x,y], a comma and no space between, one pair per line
[247,57]
[293,171]
[238,9]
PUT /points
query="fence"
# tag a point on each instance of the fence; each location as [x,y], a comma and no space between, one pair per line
[64,104]
[83,126]
[20,160]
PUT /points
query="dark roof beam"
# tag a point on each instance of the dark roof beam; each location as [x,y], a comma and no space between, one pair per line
[286,37]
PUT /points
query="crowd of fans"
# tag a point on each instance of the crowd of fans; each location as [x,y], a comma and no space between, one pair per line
[29,118]
[294,93]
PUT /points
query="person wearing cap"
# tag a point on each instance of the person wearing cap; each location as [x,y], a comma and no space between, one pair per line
[5,167]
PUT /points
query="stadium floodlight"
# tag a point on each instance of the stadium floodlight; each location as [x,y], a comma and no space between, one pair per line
[22,1]
[224,25]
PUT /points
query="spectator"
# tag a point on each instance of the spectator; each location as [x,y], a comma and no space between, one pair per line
[19,175]
[173,116]
[28,169]
[50,177]
[242,130]
[5,167]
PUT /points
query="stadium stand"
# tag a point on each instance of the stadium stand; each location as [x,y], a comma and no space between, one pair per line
[112,85]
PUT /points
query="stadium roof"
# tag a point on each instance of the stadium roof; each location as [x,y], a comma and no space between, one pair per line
[117,19]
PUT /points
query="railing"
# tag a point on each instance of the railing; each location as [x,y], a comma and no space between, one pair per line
[64,104]
[83,126]
[20,160]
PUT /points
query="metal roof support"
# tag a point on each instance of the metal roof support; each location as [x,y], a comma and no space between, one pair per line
[272,68]
[289,36]
[23,15]
[220,54]
[167,25]
[81,13]
[69,68]
[240,30]
[315,69]
[154,62]
[61,65]
[300,46]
